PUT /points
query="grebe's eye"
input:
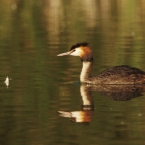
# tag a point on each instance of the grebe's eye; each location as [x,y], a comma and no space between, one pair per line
[73,50]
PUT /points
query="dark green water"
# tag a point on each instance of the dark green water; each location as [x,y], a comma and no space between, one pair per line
[32,34]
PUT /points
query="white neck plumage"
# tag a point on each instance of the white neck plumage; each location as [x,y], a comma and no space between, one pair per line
[86,71]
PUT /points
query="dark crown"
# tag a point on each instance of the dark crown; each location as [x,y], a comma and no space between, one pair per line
[79,45]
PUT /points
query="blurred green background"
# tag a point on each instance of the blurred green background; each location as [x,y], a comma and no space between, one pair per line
[32,33]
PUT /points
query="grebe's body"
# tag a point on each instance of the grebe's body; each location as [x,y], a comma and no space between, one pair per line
[117,75]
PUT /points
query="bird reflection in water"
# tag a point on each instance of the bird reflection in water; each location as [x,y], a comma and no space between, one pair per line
[86,112]
[115,92]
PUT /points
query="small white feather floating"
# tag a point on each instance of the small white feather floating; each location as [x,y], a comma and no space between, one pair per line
[7,81]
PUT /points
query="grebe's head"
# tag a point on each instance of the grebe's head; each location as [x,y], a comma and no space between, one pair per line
[80,49]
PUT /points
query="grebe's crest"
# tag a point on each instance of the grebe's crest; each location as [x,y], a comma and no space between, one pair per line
[83,51]
[79,45]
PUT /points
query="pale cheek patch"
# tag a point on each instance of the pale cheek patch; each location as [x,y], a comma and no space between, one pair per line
[77,52]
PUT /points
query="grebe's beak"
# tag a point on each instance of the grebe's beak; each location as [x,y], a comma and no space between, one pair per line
[65,53]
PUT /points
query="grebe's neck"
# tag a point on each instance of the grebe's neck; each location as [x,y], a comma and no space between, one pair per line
[86,71]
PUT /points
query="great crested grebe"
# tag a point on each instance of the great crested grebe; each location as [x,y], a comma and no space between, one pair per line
[123,74]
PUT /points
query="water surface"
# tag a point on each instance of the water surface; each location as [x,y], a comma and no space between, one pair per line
[41,84]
